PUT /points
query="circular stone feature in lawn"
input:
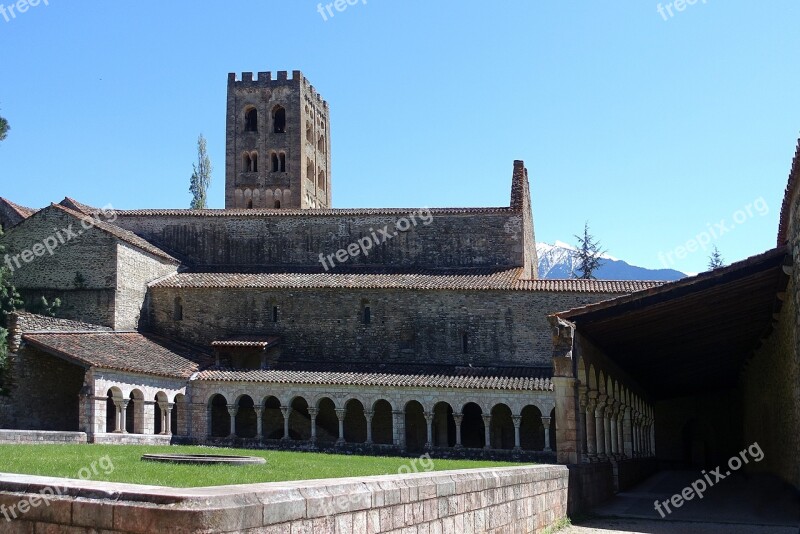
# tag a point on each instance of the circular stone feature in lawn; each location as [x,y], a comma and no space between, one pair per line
[203,459]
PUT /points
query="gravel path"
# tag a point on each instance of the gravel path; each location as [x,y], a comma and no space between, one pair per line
[640,526]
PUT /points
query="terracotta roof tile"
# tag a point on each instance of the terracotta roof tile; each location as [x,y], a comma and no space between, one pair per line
[516,379]
[436,279]
[310,213]
[786,207]
[123,351]
[248,341]
[22,211]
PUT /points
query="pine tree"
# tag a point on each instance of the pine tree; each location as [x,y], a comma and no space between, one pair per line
[201,177]
[4,128]
[588,256]
[715,260]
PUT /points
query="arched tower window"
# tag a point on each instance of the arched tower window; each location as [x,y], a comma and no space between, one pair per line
[254,161]
[321,144]
[275,167]
[277,204]
[465,343]
[321,180]
[366,312]
[279,119]
[283,161]
[251,120]
[309,132]
[247,162]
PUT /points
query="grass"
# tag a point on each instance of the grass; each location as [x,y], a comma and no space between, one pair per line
[561,524]
[72,461]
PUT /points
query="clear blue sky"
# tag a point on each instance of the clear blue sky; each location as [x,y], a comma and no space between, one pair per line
[651,129]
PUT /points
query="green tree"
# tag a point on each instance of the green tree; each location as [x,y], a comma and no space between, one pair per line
[715,260]
[201,177]
[588,256]
[9,302]
[4,128]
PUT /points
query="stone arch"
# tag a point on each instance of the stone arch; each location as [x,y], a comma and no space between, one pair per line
[444,425]
[601,382]
[592,378]
[502,427]
[178,415]
[321,179]
[274,162]
[246,420]
[531,429]
[271,418]
[239,198]
[114,400]
[247,162]
[580,371]
[321,143]
[327,421]
[473,429]
[220,419]
[382,423]
[416,426]
[134,416]
[299,420]
[355,422]
[159,421]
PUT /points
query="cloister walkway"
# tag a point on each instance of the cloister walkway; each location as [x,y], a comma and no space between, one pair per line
[740,503]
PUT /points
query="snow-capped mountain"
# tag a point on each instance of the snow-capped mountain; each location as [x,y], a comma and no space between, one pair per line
[558,261]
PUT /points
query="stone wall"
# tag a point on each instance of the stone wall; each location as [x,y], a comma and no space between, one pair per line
[589,485]
[38,437]
[81,271]
[482,238]
[135,269]
[517,499]
[44,391]
[502,327]
[771,396]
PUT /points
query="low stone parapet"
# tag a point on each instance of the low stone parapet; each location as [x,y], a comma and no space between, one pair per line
[515,499]
[40,437]
[133,439]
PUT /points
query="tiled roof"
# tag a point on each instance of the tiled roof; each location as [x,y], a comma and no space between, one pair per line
[517,379]
[119,233]
[474,279]
[73,204]
[123,351]
[786,207]
[262,342]
[691,283]
[310,213]
[22,211]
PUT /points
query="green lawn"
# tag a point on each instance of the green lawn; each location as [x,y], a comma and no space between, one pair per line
[122,463]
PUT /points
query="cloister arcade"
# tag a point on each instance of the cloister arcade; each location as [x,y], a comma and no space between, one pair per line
[391,421]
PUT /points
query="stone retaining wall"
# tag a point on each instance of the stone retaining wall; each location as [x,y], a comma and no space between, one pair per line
[516,499]
[38,437]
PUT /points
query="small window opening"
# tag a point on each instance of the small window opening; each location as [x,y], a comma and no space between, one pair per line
[277,204]
[279,117]
[177,312]
[275,166]
[251,120]
[367,315]
[283,162]
[465,343]
[274,314]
